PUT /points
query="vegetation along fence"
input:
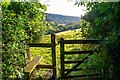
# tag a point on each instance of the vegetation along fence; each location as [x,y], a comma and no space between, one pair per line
[65,72]
[28,69]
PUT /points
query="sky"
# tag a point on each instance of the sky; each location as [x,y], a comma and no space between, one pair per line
[63,7]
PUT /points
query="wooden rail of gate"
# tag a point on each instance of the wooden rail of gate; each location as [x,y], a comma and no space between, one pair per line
[65,72]
[51,45]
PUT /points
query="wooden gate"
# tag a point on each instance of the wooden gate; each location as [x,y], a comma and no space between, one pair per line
[30,67]
[65,72]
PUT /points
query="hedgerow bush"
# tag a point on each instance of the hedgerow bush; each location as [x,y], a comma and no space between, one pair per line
[22,22]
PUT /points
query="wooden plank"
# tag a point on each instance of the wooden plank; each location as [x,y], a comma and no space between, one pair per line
[32,64]
[78,63]
[44,66]
[69,62]
[81,41]
[83,75]
[54,57]
[78,52]
[28,53]
[39,45]
[87,56]
[74,69]
[62,57]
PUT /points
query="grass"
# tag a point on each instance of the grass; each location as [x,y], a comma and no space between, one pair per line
[46,52]
[67,35]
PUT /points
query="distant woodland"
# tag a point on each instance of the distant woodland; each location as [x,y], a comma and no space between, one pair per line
[59,23]
[25,22]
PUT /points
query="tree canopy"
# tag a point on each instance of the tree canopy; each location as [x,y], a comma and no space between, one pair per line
[102,22]
[22,22]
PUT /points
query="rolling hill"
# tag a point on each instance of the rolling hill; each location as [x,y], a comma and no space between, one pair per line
[62,19]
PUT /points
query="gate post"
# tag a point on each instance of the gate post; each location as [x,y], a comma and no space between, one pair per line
[53,46]
[62,57]
[28,53]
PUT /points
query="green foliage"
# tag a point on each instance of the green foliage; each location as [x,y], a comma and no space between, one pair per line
[55,28]
[46,52]
[21,23]
[13,44]
[104,25]
[59,23]
[34,17]
[61,19]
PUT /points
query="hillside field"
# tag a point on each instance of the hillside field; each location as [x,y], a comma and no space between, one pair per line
[45,52]
[67,35]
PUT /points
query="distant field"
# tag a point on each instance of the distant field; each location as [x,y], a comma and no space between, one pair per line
[46,52]
[70,34]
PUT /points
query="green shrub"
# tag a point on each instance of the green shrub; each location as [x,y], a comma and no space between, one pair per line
[21,22]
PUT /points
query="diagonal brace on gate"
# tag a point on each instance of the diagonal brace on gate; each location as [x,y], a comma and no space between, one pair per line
[86,57]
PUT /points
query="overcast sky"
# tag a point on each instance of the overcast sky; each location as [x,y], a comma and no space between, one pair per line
[63,7]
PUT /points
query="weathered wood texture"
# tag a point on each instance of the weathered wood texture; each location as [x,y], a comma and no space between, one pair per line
[44,66]
[62,57]
[73,69]
[81,41]
[28,53]
[39,45]
[78,52]
[69,62]
[80,62]
[65,72]
[54,57]
[82,75]
[32,64]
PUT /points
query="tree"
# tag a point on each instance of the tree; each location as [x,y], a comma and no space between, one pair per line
[22,22]
[105,26]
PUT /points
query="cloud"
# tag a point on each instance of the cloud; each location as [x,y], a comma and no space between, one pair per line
[64,7]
